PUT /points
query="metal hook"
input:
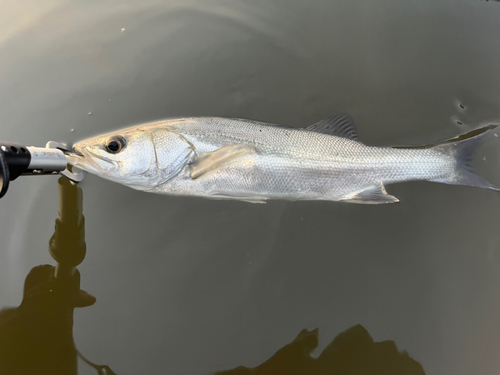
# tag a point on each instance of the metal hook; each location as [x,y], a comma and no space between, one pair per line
[74,177]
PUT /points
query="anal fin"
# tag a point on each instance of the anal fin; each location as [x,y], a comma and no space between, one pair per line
[248,199]
[373,195]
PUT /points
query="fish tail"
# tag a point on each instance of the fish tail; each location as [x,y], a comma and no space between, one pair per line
[463,149]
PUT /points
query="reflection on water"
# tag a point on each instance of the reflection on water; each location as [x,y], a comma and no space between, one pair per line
[37,336]
[353,352]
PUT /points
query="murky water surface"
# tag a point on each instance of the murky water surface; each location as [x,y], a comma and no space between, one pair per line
[193,286]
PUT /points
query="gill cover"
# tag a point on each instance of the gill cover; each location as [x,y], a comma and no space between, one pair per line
[172,153]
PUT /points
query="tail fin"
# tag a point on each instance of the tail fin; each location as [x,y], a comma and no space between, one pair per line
[463,149]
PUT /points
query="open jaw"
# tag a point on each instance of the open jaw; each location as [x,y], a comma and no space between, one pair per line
[89,161]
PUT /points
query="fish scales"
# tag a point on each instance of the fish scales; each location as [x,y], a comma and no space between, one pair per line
[317,165]
[253,161]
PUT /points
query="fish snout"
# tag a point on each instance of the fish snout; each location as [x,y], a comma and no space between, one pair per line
[77,157]
[77,149]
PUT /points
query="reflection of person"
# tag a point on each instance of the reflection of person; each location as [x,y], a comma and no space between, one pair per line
[37,336]
[352,352]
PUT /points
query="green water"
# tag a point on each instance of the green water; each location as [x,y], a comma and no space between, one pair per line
[193,286]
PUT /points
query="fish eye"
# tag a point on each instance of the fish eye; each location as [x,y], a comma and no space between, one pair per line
[115,144]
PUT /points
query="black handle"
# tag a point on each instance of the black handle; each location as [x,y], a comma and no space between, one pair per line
[4,175]
[18,158]
[14,161]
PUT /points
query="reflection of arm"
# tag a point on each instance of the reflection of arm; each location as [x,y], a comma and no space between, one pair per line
[37,336]
[5,315]
[67,246]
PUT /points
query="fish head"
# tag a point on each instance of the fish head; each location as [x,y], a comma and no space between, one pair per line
[135,157]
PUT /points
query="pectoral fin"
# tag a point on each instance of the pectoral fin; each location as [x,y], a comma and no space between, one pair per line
[218,158]
[373,195]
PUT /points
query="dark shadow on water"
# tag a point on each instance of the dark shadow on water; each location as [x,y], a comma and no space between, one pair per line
[37,336]
[352,352]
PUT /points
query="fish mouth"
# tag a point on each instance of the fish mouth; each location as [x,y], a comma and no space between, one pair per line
[78,161]
[87,160]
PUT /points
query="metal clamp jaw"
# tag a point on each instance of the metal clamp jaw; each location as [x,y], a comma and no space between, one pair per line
[17,160]
[70,175]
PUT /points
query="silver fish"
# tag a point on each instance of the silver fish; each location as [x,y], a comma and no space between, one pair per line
[252,161]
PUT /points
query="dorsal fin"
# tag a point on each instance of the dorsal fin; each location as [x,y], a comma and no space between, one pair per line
[340,124]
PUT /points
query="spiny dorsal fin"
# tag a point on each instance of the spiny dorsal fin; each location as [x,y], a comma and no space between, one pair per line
[216,159]
[340,124]
[373,195]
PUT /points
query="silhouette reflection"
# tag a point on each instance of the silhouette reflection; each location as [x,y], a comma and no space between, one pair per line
[37,336]
[352,352]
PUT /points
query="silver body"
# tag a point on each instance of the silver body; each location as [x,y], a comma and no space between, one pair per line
[288,163]
[295,164]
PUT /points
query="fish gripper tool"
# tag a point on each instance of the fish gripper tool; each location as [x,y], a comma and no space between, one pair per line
[18,160]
